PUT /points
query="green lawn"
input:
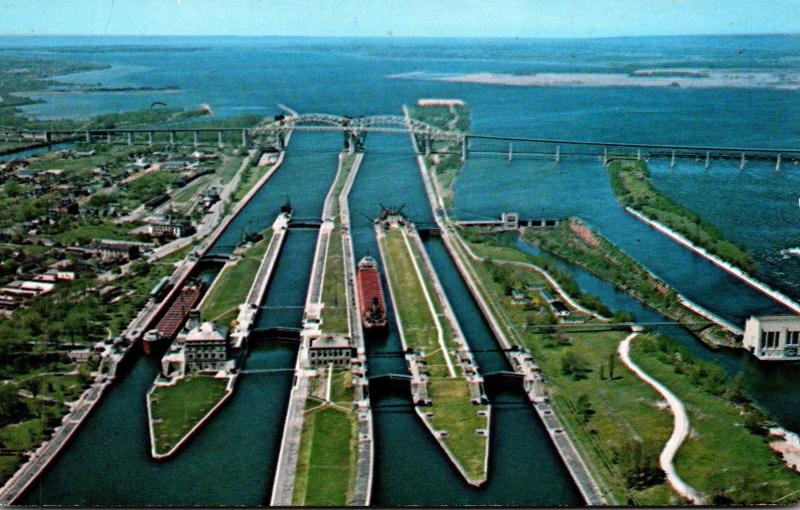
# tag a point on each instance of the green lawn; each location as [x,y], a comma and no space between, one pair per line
[452,407]
[631,184]
[222,305]
[176,409]
[419,326]
[334,293]
[327,461]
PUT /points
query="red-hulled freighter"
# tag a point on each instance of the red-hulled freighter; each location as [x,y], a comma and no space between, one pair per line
[370,294]
[175,316]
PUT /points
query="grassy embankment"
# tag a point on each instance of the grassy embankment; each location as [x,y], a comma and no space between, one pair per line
[334,293]
[445,159]
[727,456]
[326,466]
[630,181]
[176,409]
[579,244]
[619,423]
[234,281]
[452,408]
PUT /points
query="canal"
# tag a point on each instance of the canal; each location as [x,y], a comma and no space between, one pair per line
[410,467]
[231,461]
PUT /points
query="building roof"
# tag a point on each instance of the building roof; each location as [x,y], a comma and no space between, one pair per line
[207,332]
[776,318]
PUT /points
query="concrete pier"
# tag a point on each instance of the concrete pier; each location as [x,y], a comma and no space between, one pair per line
[249,310]
[521,361]
[286,472]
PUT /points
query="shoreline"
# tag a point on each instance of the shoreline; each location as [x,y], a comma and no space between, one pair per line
[229,390]
[730,268]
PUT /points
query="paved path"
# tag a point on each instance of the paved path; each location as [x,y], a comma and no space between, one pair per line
[680,428]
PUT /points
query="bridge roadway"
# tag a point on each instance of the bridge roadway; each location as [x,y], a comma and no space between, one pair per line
[521,361]
[355,128]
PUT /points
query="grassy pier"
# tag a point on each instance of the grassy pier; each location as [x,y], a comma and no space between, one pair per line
[326,467]
[461,426]
[630,181]
[177,410]
[230,289]
[326,470]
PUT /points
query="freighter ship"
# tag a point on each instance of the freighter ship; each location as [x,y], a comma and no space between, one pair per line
[370,293]
[175,316]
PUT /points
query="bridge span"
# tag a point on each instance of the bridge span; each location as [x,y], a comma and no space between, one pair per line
[272,134]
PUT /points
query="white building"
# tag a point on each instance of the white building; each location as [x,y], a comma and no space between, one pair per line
[331,349]
[773,337]
[206,348]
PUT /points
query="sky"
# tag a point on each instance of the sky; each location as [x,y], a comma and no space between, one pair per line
[399,18]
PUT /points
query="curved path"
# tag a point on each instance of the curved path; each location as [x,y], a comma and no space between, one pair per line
[552,281]
[679,431]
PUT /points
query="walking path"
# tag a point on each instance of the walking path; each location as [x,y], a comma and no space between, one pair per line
[680,428]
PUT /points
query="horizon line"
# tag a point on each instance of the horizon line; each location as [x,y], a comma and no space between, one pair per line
[297,36]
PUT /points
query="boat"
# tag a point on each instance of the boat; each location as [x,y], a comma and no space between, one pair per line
[175,316]
[370,293]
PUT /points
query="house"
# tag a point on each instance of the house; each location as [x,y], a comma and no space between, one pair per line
[68,207]
[206,347]
[773,337]
[113,251]
[331,349]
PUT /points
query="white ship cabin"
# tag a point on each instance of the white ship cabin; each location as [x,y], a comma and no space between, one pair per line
[773,337]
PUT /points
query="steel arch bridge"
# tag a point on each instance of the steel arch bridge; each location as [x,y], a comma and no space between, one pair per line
[357,126]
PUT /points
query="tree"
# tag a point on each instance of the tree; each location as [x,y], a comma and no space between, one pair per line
[12,409]
[612,359]
[584,406]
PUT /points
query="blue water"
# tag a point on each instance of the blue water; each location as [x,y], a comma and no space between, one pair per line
[341,76]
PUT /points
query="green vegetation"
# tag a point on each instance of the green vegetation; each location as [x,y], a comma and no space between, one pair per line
[580,245]
[444,161]
[727,457]
[452,408]
[334,292]
[233,283]
[631,184]
[618,422]
[326,466]
[176,409]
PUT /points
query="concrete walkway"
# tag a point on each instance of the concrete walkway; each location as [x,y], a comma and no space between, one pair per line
[680,428]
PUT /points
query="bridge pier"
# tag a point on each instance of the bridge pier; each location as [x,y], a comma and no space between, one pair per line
[108,138]
[244,138]
[48,137]
[557,156]
[150,138]
[605,155]
[742,162]
[510,151]
[464,142]
[172,137]
[87,138]
[672,160]
[427,145]
[708,160]
[778,163]
[639,155]
[130,137]
[220,143]
[194,138]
